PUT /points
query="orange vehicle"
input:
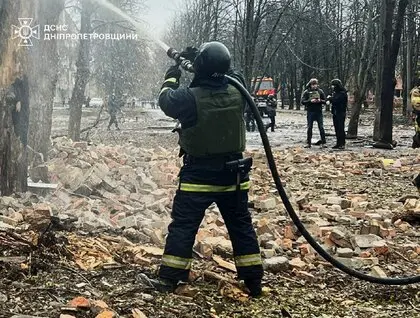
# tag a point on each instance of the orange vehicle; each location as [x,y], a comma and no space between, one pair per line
[266,87]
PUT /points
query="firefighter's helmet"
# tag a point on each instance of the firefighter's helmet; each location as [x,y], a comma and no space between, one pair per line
[336,82]
[213,60]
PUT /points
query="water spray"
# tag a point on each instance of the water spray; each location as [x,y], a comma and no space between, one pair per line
[187,66]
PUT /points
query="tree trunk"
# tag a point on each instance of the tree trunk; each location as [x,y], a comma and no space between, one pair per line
[14,99]
[362,71]
[82,74]
[352,130]
[379,69]
[391,48]
[44,64]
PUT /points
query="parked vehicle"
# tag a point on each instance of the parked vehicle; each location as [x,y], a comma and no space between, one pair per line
[96,102]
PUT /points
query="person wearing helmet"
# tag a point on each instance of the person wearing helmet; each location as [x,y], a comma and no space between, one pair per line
[339,101]
[271,110]
[313,98]
[212,141]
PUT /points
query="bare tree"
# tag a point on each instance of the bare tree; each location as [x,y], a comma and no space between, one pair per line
[44,64]
[391,45]
[363,67]
[82,74]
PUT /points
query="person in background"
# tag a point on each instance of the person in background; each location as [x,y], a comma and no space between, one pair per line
[88,102]
[415,104]
[113,107]
[338,101]
[271,110]
[313,98]
[249,119]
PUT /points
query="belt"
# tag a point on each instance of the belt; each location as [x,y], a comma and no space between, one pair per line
[216,160]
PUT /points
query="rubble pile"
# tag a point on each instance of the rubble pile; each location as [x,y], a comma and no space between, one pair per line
[343,199]
[355,204]
[119,186]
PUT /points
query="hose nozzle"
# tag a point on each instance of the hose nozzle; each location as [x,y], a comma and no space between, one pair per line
[185,64]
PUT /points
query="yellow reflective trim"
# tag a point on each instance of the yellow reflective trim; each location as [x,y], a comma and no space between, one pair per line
[176,261]
[191,187]
[163,89]
[170,80]
[248,260]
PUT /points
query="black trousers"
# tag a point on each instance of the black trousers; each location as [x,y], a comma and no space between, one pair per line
[250,121]
[315,117]
[113,120]
[187,214]
[272,123]
[339,126]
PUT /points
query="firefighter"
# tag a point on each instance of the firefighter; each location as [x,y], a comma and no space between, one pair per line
[271,111]
[249,119]
[212,141]
[415,104]
[113,108]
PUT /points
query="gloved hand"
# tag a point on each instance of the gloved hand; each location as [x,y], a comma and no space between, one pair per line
[172,73]
[190,53]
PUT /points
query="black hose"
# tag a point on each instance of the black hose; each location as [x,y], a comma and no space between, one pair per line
[187,65]
[292,213]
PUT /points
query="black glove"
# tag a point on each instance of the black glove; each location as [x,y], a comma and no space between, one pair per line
[190,53]
[173,72]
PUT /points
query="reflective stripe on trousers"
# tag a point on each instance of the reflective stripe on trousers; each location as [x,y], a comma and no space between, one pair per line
[248,260]
[176,261]
[191,187]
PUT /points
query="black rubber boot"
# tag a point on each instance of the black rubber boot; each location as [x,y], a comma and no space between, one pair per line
[164,285]
[254,286]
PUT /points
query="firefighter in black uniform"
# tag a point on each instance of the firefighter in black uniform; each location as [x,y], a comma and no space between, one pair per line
[249,119]
[212,139]
[271,110]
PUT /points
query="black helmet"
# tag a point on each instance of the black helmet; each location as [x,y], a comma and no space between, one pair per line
[213,60]
[336,82]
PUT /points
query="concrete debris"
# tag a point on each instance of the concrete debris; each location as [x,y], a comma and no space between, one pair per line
[131,190]
[276,264]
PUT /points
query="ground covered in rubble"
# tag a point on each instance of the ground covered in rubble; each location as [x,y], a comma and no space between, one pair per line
[88,247]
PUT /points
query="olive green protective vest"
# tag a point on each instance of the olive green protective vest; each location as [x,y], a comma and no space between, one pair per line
[220,127]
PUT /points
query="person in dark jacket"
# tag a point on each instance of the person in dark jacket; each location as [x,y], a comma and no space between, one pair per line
[339,102]
[271,110]
[313,98]
[113,108]
[249,119]
[212,140]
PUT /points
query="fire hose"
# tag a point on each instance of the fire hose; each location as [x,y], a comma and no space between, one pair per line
[188,66]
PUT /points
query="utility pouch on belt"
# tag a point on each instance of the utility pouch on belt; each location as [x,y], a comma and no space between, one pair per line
[239,166]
